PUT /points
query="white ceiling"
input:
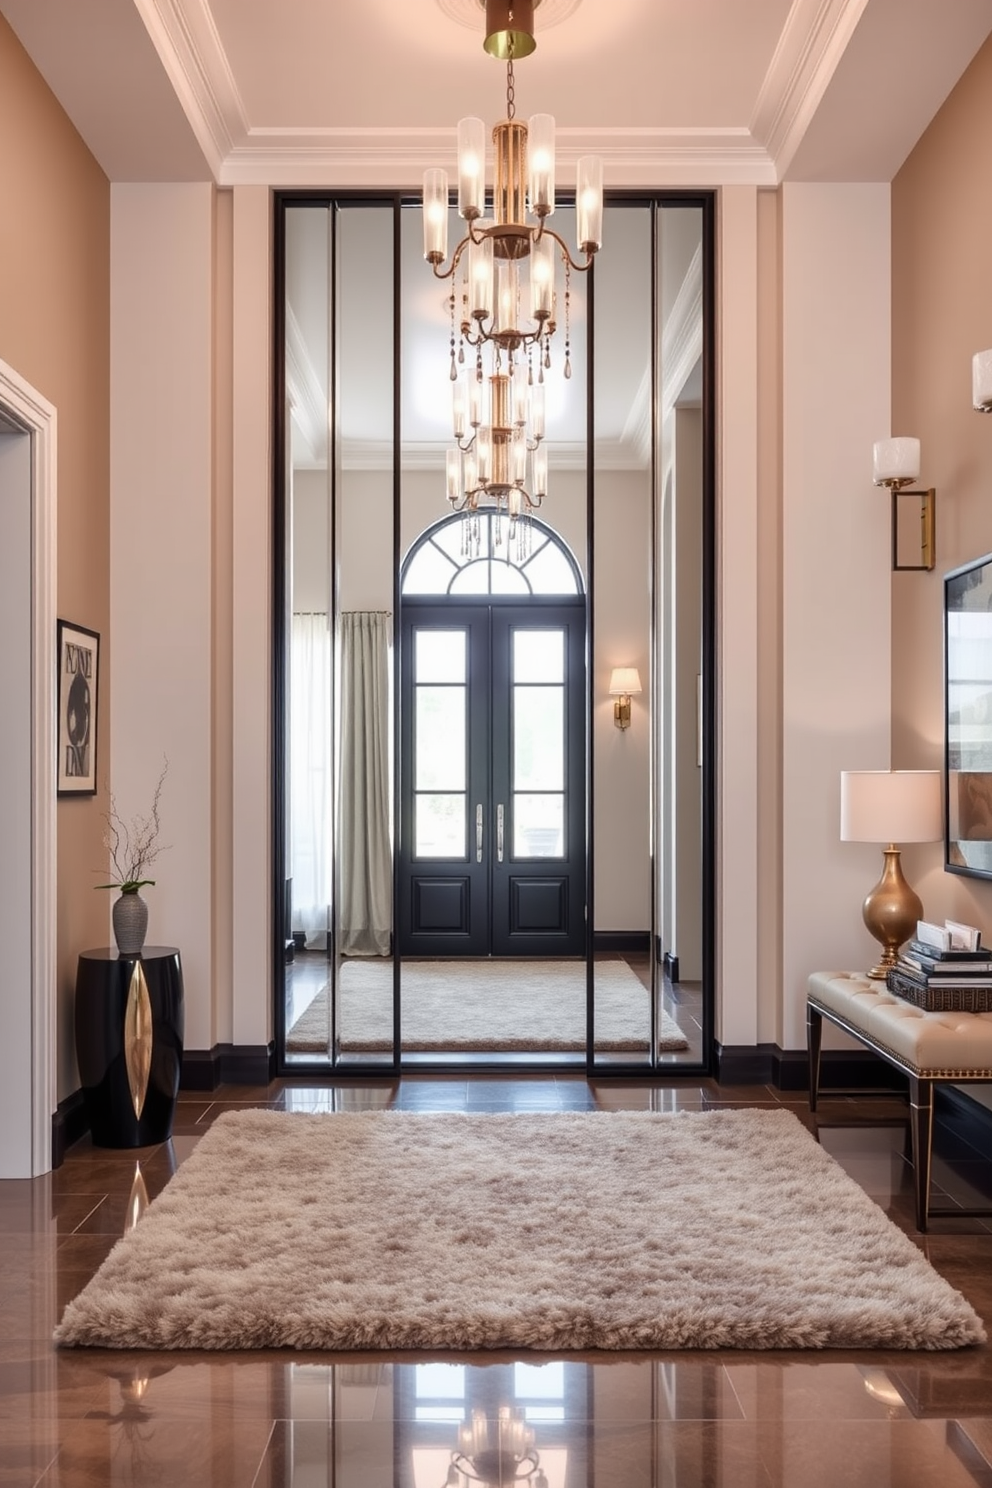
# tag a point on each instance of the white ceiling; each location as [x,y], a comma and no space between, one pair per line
[670,92]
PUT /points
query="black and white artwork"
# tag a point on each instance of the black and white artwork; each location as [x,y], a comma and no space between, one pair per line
[78,661]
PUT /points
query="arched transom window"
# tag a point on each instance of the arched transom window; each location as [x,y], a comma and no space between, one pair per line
[480,554]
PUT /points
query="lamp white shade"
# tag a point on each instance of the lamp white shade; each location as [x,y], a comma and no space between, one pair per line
[895,460]
[624,681]
[890,806]
[981,381]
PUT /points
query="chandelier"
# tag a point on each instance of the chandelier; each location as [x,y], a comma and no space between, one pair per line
[498,402]
[509,1458]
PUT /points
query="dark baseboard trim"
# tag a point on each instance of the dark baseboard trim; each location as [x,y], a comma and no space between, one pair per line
[69,1123]
[200,1070]
[634,941]
[227,1064]
[788,1069]
[742,1064]
[840,1069]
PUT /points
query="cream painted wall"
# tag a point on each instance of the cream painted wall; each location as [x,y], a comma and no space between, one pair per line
[835,566]
[737,714]
[941,315]
[54,332]
[161,554]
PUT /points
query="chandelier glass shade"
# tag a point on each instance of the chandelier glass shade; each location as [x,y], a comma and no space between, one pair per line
[504,296]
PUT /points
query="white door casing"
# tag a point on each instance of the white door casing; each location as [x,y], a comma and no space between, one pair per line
[28,435]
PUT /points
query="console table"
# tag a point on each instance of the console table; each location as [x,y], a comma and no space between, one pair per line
[129,1043]
[930,1048]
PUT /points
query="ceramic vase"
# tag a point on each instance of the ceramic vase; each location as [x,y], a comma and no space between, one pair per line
[130,918]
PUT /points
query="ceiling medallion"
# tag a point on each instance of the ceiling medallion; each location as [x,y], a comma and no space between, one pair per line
[498,401]
[466,12]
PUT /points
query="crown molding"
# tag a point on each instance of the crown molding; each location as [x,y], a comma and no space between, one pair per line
[189,47]
[636,434]
[813,41]
[188,44]
[395,158]
[682,338]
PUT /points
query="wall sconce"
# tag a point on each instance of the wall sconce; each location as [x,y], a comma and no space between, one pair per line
[897,465]
[981,381]
[624,681]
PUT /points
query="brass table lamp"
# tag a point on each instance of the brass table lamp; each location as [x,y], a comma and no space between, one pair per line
[890,806]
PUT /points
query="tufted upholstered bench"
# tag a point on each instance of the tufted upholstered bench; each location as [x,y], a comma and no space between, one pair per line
[931,1048]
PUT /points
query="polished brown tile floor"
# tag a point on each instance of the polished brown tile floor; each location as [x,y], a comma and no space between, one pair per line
[711,1420]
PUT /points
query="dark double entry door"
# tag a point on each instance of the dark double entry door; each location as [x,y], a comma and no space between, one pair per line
[492,857]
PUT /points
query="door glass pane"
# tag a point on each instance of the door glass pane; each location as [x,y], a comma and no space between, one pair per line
[549,572]
[472,580]
[505,579]
[440,826]
[538,738]
[440,656]
[538,826]
[429,572]
[440,739]
[538,656]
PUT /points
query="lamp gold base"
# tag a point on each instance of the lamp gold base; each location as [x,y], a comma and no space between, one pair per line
[890,912]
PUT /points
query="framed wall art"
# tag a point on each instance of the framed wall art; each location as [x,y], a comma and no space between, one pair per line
[968,718]
[78,675]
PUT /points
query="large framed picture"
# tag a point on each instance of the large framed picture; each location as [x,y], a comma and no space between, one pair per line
[968,718]
[79,668]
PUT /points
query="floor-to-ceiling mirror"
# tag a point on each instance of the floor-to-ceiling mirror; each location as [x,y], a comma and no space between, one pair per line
[493,736]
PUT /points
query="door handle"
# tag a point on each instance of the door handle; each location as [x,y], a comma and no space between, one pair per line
[499,832]
[478,833]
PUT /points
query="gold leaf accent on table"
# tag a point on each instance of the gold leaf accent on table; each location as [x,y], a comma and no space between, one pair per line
[138,1038]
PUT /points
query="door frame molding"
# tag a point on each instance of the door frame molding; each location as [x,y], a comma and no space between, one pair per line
[30,412]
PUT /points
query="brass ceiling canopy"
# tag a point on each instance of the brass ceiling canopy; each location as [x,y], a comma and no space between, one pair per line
[510,28]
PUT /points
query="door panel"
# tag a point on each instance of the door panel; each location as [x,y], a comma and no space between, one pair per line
[492,856]
[444,872]
[538,771]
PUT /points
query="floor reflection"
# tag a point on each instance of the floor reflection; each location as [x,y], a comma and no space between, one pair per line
[281,1420]
[540,1012]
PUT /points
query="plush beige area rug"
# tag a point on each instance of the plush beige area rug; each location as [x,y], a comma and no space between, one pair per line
[475,1005]
[626,1230]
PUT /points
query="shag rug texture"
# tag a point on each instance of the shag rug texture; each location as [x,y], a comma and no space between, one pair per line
[516,1006]
[559,1231]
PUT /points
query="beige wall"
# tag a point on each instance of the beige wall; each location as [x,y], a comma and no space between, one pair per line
[54,331]
[941,315]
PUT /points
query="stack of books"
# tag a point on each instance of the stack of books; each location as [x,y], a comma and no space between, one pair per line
[945,969]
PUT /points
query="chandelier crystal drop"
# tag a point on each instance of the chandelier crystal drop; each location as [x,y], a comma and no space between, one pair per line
[503,305]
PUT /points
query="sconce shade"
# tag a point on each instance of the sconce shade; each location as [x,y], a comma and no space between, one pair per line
[624,682]
[890,806]
[981,381]
[896,461]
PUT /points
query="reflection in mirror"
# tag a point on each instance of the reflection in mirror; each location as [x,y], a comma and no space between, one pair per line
[308,786]
[647,777]
[447,753]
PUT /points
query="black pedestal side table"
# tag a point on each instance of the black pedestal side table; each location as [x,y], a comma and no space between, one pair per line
[129,1043]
